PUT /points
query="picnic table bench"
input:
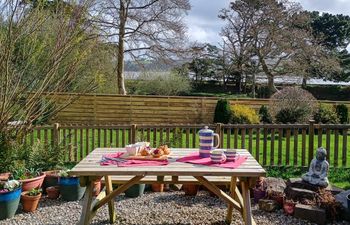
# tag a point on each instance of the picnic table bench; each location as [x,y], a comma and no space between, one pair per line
[89,169]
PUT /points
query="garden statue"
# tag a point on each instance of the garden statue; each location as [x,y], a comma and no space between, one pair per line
[319,166]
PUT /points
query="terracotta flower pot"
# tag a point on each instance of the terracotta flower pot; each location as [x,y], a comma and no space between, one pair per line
[53,192]
[51,179]
[97,187]
[36,182]
[157,187]
[190,189]
[30,203]
[5,176]
[288,208]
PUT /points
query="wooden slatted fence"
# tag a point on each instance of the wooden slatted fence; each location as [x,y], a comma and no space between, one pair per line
[137,109]
[270,144]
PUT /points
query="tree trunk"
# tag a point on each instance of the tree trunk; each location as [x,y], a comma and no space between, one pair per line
[120,63]
[304,82]
[253,85]
[270,76]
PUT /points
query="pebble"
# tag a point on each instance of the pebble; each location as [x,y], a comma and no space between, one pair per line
[151,209]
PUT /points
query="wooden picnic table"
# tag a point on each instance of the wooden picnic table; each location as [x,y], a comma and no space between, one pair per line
[89,169]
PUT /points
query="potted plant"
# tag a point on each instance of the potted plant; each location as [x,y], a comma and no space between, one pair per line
[53,192]
[135,191]
[260,189]
[30,199]
[157,187]
[30,178]
[288,207]
[97,186]
[51,179]
[70,188]
[190,189]
[10,193]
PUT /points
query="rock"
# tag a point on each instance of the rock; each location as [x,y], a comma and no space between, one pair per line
[267,205]
[310,213]
[297,194]
[299,183]
[341,197]
[276,185]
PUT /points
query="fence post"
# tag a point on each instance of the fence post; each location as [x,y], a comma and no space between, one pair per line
[56,134]
[218,131]
[311,139]
[133,133]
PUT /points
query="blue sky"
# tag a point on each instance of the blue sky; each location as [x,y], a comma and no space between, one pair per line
[204,25]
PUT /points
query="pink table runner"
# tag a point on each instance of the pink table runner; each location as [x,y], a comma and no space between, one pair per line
[195,159]
[130,162]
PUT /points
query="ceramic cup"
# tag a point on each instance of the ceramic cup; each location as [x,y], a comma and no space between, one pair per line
[231,154]
[217,156]
[132,149]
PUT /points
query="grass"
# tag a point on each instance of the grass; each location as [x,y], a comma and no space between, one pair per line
[80,142]
[339,177]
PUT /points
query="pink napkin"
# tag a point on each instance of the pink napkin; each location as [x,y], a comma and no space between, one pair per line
[131,162]
[195,159]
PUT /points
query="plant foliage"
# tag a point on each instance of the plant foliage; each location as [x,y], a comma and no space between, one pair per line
[223,112]
[326,114]
[292,105]
[242,114]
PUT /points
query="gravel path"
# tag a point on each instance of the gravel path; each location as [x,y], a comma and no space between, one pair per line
[150,209]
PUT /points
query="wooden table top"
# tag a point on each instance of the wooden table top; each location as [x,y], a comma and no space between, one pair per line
[90,166]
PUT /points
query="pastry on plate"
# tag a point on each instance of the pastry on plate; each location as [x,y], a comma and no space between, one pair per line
[165,149]
[157,153]
[145,151]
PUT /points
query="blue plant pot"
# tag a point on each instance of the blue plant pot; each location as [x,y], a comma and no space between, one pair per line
[348,199]
[9,202]
[70,188]
[135,191]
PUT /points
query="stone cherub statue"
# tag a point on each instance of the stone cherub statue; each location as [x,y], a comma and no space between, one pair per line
[318,169]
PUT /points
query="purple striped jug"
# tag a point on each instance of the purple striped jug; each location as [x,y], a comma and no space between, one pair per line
[206,142]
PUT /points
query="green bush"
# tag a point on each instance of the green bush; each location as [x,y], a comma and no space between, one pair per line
[292,105]
[264,114]
[343,113]
[263,91]
[289,115]
[242,114]
[222,111]
[326,114]
[161,83]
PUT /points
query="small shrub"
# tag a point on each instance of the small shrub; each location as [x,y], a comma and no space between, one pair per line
[326,114]
[343,113]
[292,105]
[264,114]
[263,91]
[222,111]
[289,115]
[242,114]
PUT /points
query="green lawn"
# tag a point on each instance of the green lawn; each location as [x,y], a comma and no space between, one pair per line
[82,141]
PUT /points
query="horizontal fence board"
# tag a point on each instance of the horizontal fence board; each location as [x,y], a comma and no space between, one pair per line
[129,109]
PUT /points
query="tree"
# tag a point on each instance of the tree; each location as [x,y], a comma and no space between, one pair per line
[142,28]
[38,58]
[273,35]
[334,29]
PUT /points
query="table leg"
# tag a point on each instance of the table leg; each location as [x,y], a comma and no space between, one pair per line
[232,194]
[111,208]
[86,216]
[247,211]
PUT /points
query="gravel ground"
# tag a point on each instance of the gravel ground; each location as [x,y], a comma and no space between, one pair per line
[152,208]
